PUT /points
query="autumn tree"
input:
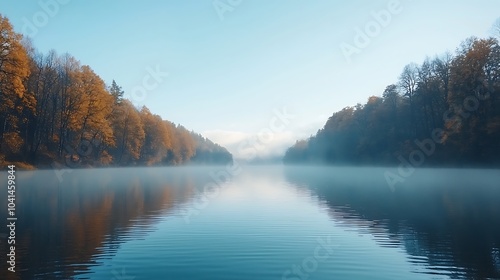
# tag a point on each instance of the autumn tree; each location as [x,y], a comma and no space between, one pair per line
[158,139]
[44,81]
[183,145]
[472,99]
[89,123]
[15,103]
[129,134]
[208,151]
[458,95]
[53,109]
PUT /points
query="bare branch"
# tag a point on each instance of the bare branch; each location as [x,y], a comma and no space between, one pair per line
[495,29]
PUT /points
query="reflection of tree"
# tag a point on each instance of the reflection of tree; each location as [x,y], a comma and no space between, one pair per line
[62,228]
[455,226]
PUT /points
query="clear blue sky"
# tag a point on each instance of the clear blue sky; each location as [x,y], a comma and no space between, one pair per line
[226,74]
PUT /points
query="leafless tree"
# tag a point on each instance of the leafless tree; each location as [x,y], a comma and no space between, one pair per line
[495,29]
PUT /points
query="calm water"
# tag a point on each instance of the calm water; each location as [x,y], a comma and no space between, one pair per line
[267,222]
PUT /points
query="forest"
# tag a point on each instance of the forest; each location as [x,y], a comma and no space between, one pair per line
[442,112]
[55,110]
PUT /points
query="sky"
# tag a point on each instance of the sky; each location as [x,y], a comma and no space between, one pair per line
[251,75]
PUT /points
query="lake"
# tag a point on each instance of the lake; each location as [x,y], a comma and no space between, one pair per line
[254,222]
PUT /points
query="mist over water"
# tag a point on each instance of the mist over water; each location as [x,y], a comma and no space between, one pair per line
[260,222]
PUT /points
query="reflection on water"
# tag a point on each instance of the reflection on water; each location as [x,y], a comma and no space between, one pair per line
[450,219]
[121,223]
[64,227]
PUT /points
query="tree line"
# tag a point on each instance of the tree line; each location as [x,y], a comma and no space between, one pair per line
[445,111]
[53,109]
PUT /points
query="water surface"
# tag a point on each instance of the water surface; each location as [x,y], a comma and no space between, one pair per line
[262,222]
